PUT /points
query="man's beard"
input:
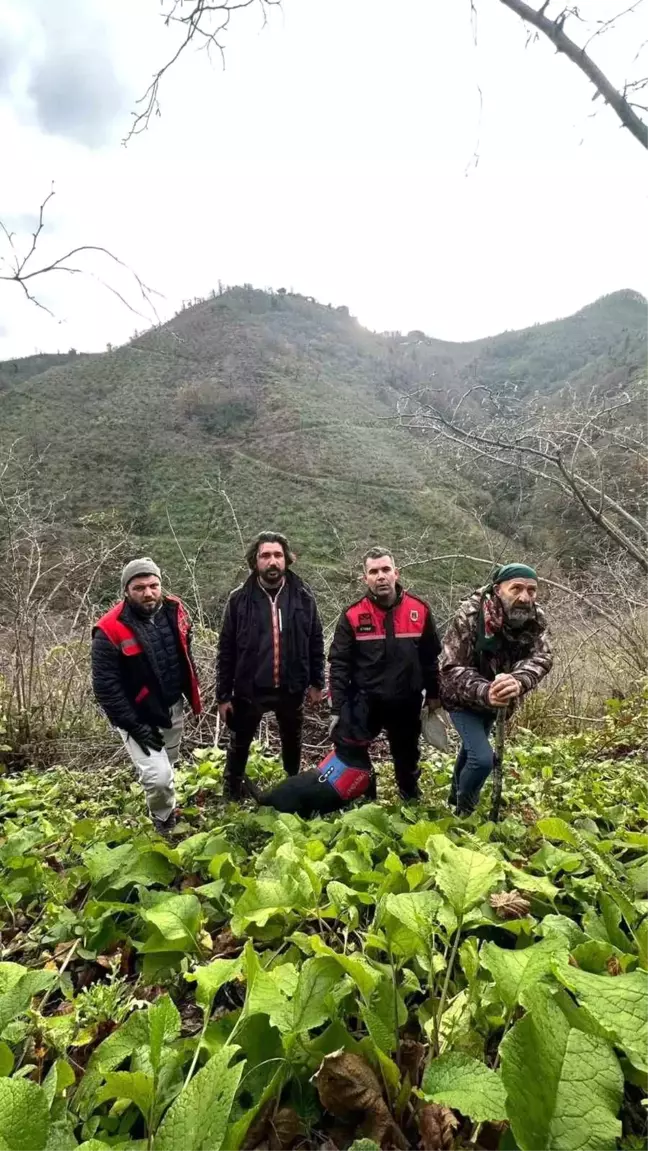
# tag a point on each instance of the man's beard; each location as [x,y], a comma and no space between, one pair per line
[519,615]
[271,575]
[147,609]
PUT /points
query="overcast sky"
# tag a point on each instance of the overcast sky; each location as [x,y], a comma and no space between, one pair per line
[342,152]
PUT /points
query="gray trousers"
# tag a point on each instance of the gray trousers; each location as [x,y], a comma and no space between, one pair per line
[155,770]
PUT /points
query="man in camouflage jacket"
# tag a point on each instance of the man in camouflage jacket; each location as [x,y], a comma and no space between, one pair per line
[494,652]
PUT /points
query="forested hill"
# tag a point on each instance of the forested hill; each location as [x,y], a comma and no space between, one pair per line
[254,409]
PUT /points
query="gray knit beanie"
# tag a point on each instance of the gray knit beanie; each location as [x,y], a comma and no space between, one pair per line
[143,566]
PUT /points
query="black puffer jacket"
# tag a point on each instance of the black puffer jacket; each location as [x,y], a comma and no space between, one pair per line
[302,641]
[140,688]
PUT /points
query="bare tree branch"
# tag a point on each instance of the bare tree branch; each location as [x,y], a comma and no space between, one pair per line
[554,31]
[195,24]
[22,270]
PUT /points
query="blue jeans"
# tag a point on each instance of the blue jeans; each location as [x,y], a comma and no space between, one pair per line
[475,760]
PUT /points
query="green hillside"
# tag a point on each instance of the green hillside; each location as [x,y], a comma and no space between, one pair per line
[268,409]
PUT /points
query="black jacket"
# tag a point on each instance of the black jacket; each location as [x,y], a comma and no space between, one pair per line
[127,686]
[245,619]
[390,653]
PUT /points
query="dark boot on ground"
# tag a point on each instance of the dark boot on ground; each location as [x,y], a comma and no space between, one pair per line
[164,827]
[232,787]
[410,796]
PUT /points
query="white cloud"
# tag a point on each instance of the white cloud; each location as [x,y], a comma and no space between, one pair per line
[335,154]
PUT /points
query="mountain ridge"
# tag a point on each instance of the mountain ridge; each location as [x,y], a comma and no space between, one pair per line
[253,409]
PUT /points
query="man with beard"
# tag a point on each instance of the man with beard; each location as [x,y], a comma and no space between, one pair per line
[141,668]
[384,659]
[494,652]
[270,653]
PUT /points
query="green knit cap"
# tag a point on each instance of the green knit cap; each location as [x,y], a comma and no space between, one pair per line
[512,571]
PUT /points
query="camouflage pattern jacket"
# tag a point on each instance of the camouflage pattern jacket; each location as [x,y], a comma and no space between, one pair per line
[465,676]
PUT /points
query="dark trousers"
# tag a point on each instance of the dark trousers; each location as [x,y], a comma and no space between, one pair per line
[248,713]
[475,760]
[401,720]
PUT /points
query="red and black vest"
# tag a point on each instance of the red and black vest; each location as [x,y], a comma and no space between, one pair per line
[138,671]
[389,659]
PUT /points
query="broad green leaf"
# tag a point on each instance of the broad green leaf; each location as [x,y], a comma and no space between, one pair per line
[6,1059]
[363,974]
[317,979]
[17,999]
[264,995]
[268,897]
[164,1027]
[469,958]
[384,1015]
[364,1145]
[370,818]
[210,978]
[10,973]
[416,910]
[564,1087]
[114,1050]
[562,925]
[24,1115]
[593,955]
[236,1131]
[459,1081]
[558,829]
[175,922]
[122,866]
[619,1005]
[135,1086]
[466,877]
[533,884]
[418,834]
[59,1076]
[554,859]
[197,1120]
[93,1145]
[514,971]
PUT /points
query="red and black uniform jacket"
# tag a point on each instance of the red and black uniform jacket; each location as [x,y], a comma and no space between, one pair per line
[124,677]
[390,653]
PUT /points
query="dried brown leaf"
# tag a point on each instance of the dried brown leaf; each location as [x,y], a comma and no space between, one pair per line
[225,944]
[346,1083]
[613,966]
[411,1058]
[347,1086]
[273,1129]
[509,904]
[437,1125]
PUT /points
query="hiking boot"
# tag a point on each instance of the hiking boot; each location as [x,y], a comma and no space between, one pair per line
[164,827]
[410,796]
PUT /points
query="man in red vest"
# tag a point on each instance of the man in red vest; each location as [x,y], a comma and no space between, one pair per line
[384,662]
[142,669]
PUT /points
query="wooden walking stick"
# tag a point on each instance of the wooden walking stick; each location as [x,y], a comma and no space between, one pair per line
[500,736]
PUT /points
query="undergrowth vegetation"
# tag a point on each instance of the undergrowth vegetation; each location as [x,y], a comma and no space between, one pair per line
[388,977]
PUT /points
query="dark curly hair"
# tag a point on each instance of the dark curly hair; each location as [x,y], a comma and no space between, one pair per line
[268,538]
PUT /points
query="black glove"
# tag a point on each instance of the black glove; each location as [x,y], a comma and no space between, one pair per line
[148,738]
